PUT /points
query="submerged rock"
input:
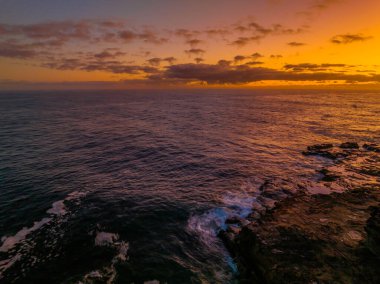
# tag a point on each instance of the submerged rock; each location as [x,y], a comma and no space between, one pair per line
[328,175]
[234,220]
[373,230]
[349,145]
[319,147]
[372,147]
[297,237]
[325,150]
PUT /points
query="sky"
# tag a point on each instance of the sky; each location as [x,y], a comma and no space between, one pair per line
[114,44]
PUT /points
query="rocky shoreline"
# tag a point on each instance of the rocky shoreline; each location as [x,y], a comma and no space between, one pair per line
[322,231]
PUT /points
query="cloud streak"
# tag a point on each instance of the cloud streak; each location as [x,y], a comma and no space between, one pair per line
[150,53]
[296,44]
[243,74]
[195,51]
[313,67]
[349,38]
[258,32]
[111,66]
[156,61]
[11,50]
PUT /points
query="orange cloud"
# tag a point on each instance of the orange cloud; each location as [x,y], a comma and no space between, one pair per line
[349,38]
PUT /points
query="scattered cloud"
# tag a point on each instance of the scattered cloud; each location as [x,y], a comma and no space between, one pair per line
[276,56]
[313,67]
[145,36]
[243,41]
[170,59]
[323,4]
[186,33]
[254,63]
[239,58]
[194,42]
[198,60]
[50,45]
[108,54]
[258,32]
[254,57]
[349,38]
[217,32]
[111,66]
[316,7]
[223,62]
[195,51]
[156,61]
[63,30]
[152,37]
[19,51]
[242,74]
[296,44]
[276,29]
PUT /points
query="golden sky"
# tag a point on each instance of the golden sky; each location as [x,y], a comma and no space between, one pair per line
[208,43]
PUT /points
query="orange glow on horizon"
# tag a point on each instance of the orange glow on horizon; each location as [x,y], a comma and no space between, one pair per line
[341,38]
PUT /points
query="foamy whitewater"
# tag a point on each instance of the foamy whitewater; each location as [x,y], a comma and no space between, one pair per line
[134,187]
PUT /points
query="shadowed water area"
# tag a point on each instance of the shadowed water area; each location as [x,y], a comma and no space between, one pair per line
[134,186]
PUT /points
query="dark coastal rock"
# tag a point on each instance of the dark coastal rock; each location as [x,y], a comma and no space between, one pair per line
[234,230]
[328,175]
[372,147]
[310,238]
[296,237]
[349,145]
[278,189]
[234,220]
[319,147]
[228,239]
[373,231]
[372,171]
[325,150]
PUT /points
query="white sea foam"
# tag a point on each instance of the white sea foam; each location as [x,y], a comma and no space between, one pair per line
[11,241]
[94,274]
[240,204]
[108,273]
[7,263]
[10,244]
[75,195]
[232,264]
[58,208]
[207,225]
[233,204]
[121,256]
[105,239]
[112,240]
[122,252]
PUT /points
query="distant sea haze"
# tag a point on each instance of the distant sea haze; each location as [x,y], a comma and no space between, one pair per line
[133,187]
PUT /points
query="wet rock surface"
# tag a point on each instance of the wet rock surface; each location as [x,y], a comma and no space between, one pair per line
[323,231]
[349,145]
[372,147]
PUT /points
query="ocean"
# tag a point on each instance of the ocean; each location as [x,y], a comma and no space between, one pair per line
[133,186]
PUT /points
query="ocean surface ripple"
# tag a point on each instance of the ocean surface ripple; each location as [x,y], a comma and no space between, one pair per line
[133,187]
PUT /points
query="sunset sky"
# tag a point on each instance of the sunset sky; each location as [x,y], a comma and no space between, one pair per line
[179,43]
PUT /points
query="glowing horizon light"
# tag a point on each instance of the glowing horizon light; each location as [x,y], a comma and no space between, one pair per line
[243,44]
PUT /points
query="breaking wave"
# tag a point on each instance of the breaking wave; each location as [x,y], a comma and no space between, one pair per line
[17,246]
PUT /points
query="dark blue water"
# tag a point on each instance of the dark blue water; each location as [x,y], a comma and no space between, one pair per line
[132,187]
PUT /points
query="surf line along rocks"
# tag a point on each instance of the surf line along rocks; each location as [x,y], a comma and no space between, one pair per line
[323,231]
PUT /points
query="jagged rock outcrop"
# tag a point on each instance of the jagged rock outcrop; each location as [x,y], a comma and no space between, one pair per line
[295,234]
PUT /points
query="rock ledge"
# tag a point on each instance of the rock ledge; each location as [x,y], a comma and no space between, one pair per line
[314,232]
